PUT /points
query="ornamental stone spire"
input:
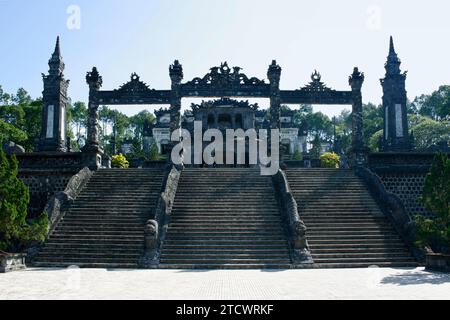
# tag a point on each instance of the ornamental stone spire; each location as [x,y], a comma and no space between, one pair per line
[396,135]
[54,122]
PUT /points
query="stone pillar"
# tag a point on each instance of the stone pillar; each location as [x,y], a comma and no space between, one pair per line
[274,75]
[176,76]
[396,135]
[359,151]
[94,80]
[92,148]
[54,122]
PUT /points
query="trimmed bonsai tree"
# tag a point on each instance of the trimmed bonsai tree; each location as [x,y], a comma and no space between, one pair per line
[119,161]
[435,233]
[16,233]
[330,160]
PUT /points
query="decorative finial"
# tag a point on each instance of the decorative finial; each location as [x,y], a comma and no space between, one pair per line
[393,62]
[57,47]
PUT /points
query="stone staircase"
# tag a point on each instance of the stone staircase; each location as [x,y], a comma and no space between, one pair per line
[225,218]
[345,226]
[105,225]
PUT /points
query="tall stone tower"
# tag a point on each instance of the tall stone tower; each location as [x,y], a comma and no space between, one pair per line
[396,136]
[55,101]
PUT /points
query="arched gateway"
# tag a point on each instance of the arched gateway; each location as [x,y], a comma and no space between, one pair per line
[223,82]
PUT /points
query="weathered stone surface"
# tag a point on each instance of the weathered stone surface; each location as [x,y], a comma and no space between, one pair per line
[12,262]
[295,226]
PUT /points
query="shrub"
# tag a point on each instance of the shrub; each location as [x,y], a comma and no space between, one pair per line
[298,156]
[329,160]
[435,233]
[119,161]
[15,232]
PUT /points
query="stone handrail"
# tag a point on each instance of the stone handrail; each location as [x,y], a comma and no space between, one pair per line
[155,229]
[60,202]
[296,228]
[393,208]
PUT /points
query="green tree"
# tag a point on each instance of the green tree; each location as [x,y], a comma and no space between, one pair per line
[373,121]
[79,121]
[436,199]
[428,132]
[15,232]
[22,97]
[5,98]
[137,121]
[435,105]
[9,132]
[316,148]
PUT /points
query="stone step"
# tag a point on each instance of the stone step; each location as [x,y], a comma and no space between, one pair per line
[86,247]
[86,217]
[105,228]
[360,237]
[317,250]
[319,260]
[224,261]
[362,255]
[61,264]
[210,246]
[240,266]
[72,254]
[227,251]
[95,242]
[384,264]
[232,224]
[225,232]
[96,237]
[223,256]
[89,260]
[226,242]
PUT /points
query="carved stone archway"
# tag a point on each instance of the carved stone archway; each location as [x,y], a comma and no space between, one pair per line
[221,82]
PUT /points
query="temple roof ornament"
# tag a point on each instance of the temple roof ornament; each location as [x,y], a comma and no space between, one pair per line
[224,102]
[56,62]
[225,77]
[134,86]
[393,62]
[316,85]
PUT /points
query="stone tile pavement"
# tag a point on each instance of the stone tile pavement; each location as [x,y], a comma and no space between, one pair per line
[372,283]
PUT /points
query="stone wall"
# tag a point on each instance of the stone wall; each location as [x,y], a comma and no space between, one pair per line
[403,174]
[46,174]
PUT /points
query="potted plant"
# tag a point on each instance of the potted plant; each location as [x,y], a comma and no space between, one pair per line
[434,233]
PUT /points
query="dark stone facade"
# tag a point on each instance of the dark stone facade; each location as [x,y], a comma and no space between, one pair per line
[404,174]
[46,174]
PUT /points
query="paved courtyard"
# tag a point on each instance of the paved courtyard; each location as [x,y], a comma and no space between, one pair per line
[372,283]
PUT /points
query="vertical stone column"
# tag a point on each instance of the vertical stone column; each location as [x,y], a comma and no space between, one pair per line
[359,151]
[92,148]
[94,80]
[274,75]
[53,136]
[396,136]
[176,76]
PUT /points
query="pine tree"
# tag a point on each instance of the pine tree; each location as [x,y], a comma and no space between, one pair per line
[15,232]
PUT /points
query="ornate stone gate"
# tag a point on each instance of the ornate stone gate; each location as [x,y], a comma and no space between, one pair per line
[223,82]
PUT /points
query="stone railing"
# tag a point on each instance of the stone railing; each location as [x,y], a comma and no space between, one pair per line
[59,203]
[393,208]
[296,228]
[155,229]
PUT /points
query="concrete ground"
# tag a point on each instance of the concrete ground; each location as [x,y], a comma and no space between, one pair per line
[372,283]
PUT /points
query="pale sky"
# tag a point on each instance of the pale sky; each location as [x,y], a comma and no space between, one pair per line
[121,37]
